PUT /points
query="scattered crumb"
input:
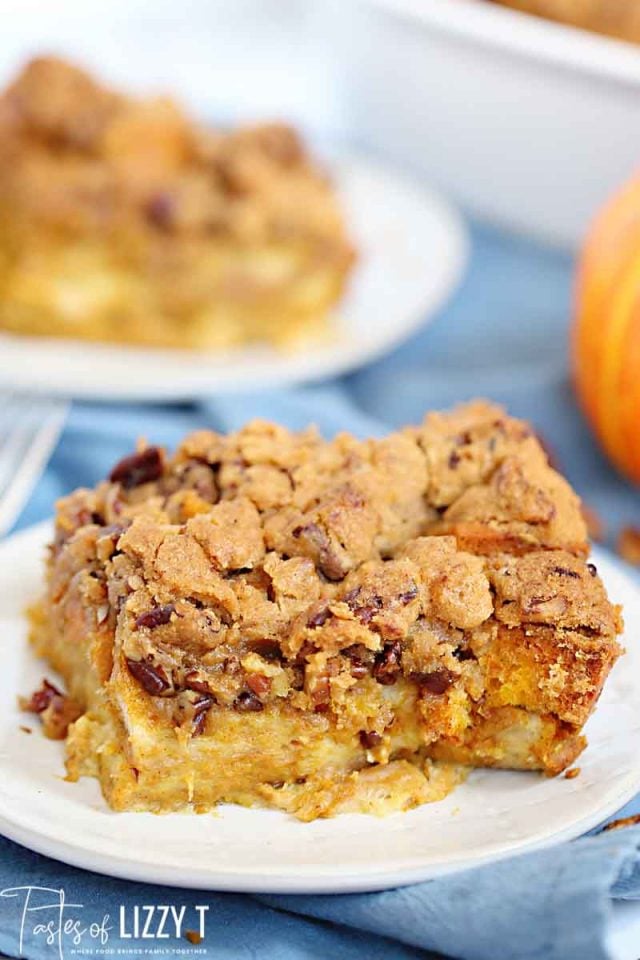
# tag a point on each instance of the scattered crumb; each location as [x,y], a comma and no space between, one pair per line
[55,709]
[193,936]
[26,729]
[572,773]
[629,545]
[595,524]
[623,822]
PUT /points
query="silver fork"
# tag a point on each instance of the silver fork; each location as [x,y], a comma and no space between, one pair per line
[29,430]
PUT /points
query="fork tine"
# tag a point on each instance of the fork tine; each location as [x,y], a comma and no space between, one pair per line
[29,430]
[10,412]
[17,427]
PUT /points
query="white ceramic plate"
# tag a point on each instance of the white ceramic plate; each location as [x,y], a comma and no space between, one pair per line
[412,249]
[493,815]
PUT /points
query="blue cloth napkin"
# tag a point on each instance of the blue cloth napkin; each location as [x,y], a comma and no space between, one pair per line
[504,336]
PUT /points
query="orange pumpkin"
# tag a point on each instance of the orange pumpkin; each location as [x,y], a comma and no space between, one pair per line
[606,334]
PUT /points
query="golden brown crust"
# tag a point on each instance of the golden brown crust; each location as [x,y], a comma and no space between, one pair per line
[122,219]
[269,582]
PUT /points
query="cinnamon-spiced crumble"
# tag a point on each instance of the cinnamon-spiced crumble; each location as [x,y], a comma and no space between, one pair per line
[272,618]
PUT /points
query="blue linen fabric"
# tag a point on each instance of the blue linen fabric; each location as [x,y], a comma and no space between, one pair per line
[505,336]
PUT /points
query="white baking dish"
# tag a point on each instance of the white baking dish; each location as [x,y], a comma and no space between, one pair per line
[527,122]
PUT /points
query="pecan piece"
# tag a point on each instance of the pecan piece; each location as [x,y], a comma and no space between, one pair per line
[193,682]
[156,617]
[387,664]
[152,679]
[319,619]
[350,596]
[358,668]
[143,467]
[247,702]
[437,682]
[361,660]
[328,560]
[268,649]
[370,739]
[40,699]
[367,612]
[201,708]
[259,684]
[56,710]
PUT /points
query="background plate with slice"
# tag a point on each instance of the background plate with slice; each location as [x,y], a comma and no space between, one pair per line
[495,814]
[412,248]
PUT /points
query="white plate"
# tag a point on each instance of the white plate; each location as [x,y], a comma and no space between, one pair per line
[412,248]
[494,814]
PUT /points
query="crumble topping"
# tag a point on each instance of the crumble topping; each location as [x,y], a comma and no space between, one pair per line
[552,588]
[269,566]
